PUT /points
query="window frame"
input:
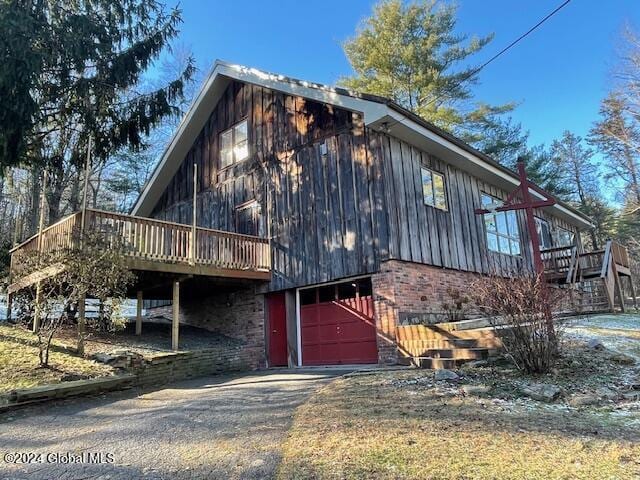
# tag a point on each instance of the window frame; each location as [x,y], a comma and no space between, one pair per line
[556,235]
[540,222]
[509,237]
[234,144]
[248,205]
[433,173]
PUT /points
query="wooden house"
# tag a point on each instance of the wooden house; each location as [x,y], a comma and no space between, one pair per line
[313,222]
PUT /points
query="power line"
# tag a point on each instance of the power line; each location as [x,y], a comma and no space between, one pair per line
[477,70]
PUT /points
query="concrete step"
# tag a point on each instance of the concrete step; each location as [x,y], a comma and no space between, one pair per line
[457,353]
[451,343]
[433,333]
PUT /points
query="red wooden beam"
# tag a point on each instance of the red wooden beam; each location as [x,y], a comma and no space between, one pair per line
[528,204]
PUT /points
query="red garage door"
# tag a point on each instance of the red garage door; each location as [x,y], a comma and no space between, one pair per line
[337,324]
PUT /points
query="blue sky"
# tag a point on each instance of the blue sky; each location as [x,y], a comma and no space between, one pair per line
[558,75]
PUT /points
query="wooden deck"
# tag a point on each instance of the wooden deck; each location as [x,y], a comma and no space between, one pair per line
[568,266]
[155,246]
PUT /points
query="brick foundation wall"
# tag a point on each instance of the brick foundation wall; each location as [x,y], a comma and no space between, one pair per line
[410,292]
[237,313]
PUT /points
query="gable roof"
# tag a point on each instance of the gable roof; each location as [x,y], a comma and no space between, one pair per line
[379,113]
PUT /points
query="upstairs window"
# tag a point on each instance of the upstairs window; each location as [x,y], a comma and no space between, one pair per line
[503,235]
[234,146]
[433,190]
[544,233]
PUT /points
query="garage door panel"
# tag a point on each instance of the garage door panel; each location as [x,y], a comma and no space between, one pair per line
[339,332]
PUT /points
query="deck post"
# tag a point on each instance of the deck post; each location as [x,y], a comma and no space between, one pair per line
[631,287]
[37,312]
[9,305]
[139,313]
[82,321]
[175,320]
[194,219]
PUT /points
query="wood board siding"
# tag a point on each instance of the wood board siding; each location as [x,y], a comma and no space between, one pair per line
[334,211]
[321,207]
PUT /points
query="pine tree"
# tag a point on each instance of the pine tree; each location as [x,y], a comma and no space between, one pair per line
[411,54]
[69,73]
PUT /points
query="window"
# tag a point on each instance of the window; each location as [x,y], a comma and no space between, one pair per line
[433,189]
[503,235]
[248,218]
[234,146]
[544,233]
[564,237]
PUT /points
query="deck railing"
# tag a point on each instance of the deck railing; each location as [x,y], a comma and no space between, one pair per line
[558,260]
[156,241]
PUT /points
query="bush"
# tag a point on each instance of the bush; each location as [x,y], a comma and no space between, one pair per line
[521,312]
[455,308]
[92,268]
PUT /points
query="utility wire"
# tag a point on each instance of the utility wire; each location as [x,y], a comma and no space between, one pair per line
[477,70]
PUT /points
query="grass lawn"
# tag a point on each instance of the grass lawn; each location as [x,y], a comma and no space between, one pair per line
[19,362]
[404,424]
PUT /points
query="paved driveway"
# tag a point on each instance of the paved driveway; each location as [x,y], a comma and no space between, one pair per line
[217,427]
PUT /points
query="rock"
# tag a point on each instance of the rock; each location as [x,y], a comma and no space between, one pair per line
[476,389]
[607,393]
[543,392]
[582,399]
[103,358]
[476,364]
[635,384]
[631,396]
[447,375]
[622,358]
[595,344]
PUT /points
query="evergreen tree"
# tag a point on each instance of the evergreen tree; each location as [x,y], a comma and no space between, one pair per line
[411,54]
[540,170]
[69,73]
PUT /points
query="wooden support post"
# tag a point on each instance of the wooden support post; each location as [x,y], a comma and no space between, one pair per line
[37,312]
[82,322]
[9,305]
[175,324]
[194,218]
[139,313]
[631,286]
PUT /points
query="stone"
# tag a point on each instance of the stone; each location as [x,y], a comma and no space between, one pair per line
[476,364]
[543,392]
[446,375]
[595,344]
[632,396]
[103,358]
[607,393]
[622,358]
[583,399]
[476,389]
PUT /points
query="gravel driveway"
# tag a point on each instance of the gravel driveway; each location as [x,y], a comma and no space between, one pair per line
[216,427]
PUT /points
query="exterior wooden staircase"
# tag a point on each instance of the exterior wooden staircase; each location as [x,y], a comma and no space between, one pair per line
[445,345]
[594,279]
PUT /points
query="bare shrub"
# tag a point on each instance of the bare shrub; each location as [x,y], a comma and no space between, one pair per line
[456,305]
[91,268]
[520,309]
